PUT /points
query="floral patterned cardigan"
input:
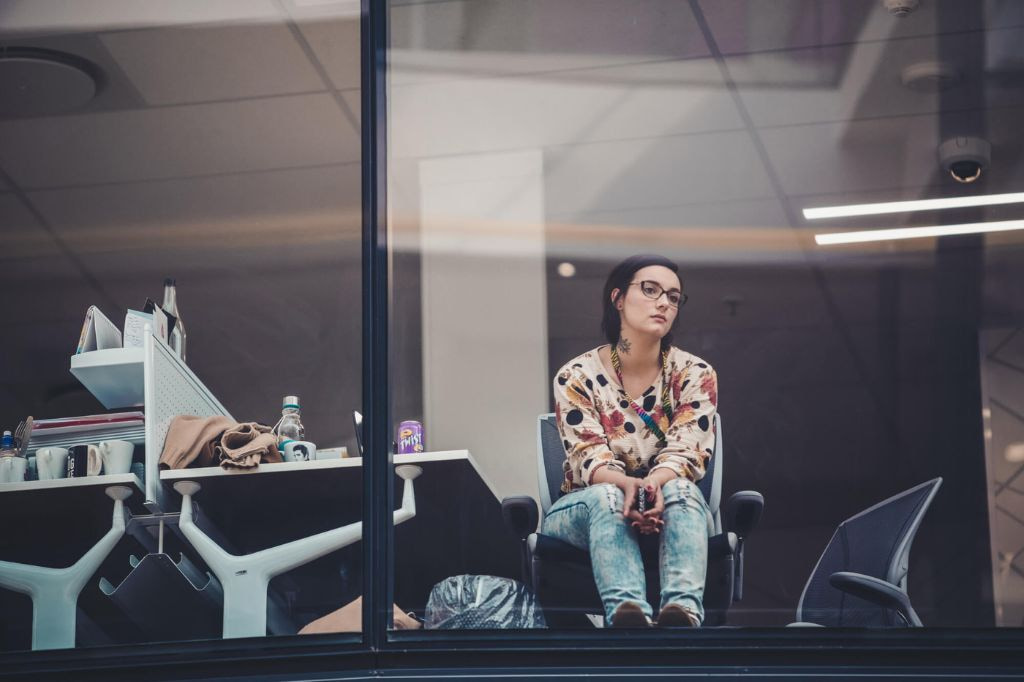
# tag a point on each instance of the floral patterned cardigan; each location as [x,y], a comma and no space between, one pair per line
[599,427]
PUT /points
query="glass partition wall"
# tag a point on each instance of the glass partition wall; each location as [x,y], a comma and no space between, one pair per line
[217,144]
[842,395]
[535,145]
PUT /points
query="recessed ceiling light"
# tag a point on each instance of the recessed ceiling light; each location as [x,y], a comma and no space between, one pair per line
[566,269]
[38,82]
[907,206]
[916,232]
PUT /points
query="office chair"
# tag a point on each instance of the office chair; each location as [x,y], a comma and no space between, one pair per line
[861,578]
[561,575]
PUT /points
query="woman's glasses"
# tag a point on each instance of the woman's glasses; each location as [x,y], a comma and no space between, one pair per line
[653,290]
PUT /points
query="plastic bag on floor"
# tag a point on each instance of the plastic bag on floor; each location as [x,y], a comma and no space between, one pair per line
[482,602]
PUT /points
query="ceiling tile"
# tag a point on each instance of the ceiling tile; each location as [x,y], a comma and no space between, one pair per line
[336,44]
[468,39]
[897,155]
[740,231]
[24,238]
[179,65]
[864,80]
[353,98]
[648,100]
[59,16]
[753,25]
[180,141]
[209,217]
[854,156]
[653,172]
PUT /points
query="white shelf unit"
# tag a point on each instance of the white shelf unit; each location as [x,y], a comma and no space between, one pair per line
[130,480]
[157,379]
[114,375]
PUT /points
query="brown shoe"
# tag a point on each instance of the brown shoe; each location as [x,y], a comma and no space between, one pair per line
[628,614]
[675,616]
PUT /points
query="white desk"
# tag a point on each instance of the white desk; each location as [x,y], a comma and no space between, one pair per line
[244,578]
[457,527]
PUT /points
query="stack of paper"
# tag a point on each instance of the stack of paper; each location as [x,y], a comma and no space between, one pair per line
[91,428]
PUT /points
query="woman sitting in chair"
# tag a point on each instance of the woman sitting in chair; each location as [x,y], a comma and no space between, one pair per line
[637,420]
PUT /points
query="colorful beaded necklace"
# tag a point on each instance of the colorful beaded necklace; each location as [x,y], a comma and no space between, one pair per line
[666,404]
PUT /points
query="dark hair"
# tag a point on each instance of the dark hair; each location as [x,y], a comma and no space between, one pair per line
[619,278]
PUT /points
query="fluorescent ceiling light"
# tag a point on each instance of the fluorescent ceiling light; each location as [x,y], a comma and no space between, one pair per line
[905,206]
[916,232]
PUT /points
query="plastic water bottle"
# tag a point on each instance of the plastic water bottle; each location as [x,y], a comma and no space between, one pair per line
[290,427]
[7,448]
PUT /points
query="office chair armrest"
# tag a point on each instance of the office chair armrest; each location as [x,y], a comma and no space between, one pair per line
[721,545]
[742,512]
[876,591]
[520,515]
[740,515]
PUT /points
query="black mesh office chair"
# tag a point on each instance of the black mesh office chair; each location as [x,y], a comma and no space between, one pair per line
[561,575]
[861,578]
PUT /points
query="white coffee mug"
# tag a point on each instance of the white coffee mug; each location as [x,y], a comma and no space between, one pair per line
[299,451]
[116,455]
[51,463]
[12,469]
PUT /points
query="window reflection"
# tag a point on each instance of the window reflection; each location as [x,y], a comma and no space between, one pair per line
[217,144]
[535,145]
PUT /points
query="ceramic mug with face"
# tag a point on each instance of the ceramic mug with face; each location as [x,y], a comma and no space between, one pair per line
[299,451]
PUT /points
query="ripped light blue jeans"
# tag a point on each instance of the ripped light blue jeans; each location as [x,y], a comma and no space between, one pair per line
[591,519]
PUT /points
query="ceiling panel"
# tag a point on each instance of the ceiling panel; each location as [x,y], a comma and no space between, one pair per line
[180,65]
[472,38]
[336,44]
[353,98]
[896,155]
[647,173]
[189,140]
[801,86]
[747,231]
[856,156]
[227,215]
[60,16]
[23,237]
[459,117]
[753,25]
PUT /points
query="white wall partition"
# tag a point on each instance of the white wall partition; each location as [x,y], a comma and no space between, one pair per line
[484,311]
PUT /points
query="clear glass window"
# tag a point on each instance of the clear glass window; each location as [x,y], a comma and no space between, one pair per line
[858,370]
[217,144]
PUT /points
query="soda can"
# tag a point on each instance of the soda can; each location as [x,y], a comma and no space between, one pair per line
[410,437]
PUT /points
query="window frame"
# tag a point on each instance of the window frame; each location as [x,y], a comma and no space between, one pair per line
[779,651]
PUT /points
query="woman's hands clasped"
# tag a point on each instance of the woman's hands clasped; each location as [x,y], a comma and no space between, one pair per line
[650,520]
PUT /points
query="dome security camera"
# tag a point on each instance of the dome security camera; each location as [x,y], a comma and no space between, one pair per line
[965,157]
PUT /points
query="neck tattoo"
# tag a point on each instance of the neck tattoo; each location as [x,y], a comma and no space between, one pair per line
[624,345]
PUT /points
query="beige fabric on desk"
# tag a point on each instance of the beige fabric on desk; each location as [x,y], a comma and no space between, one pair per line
[244,446]
[193,439]
[349,618]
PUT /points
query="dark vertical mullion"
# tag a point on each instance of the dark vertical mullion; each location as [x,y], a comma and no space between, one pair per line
[377,491]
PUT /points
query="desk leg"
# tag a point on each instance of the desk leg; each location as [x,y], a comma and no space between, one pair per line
[54,591]
[244,578]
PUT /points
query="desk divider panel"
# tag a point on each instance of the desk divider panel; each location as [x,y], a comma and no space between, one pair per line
[171,389]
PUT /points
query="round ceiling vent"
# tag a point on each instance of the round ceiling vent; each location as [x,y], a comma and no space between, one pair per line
[42,82]
[930,76]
